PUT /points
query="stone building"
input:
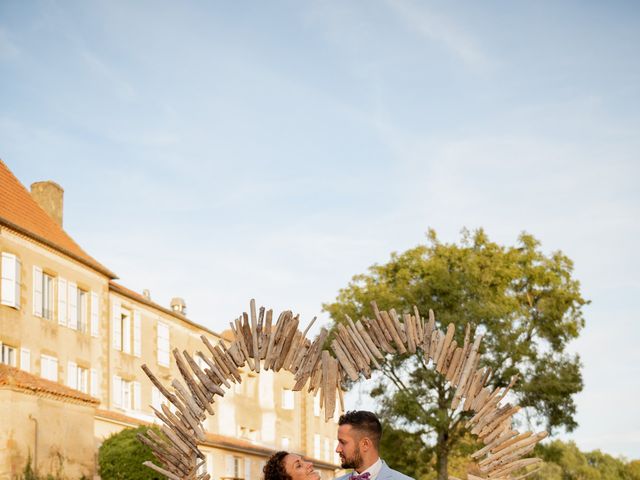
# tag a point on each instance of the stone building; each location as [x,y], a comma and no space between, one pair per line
[73,341]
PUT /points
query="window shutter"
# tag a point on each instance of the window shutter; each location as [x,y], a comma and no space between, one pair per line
[229,466]
[17,284]
[155,398]
[73,305]
[117,391]
[25,359]
[37,291]
[136,396]
[116,323]
[62,301]
[95,314]
[137,331]
[126,334]
[247,468]
[163,346]
[72,375]
[95,383]
[9,280]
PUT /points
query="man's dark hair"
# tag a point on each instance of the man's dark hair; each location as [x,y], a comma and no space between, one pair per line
[274,468]
[364,422]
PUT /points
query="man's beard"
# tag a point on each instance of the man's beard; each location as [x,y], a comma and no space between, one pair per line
[354,462]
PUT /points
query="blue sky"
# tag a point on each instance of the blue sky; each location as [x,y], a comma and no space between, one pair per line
[222,151]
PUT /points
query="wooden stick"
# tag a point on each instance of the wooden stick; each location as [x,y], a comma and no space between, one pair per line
[344,361]
[398,326]
[444,350]
[411,338]
[254,334]
[391,327]
[466,371]
[160,470]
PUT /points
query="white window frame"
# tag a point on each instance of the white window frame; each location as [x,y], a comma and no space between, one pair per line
[116,325]
[8,354]
[49,367]
[72,375]
[288,399]
[95,314]
[163,344]
[126,319]
[137,333]
[10,280]
[83,380]
[62,302]
[25,359]
[82,310]
[316,446]
[72,305]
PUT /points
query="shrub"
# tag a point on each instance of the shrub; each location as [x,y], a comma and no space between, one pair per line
[121,455]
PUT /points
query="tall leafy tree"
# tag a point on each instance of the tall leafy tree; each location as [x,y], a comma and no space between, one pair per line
[527,304]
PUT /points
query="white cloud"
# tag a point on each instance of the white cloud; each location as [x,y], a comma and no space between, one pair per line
[438,27]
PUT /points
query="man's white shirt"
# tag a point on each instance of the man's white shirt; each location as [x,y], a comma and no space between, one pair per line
[374,469]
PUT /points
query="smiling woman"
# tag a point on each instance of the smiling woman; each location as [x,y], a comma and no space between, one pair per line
[289,466]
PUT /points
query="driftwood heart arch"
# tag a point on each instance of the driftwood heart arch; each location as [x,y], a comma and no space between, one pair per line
[357,349]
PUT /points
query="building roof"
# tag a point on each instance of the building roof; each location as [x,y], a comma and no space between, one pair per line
[20,212]
[213,440]
[20,380]
[122,290]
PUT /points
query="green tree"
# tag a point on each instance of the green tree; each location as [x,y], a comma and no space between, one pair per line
[527,304]
[121,455]
[565,461]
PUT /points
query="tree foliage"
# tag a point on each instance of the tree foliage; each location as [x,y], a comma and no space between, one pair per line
[121,455]
[527,304]
[564,461]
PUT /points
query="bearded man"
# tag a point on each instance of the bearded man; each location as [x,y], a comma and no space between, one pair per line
[359,434]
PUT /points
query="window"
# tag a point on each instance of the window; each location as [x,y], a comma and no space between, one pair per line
[127,326]
[163,344]
[49,367]
[95,314]
[157,399]
[327,449]
[8,356]
[25,359]
[77,377]
[286,443]
[125,329]
[232,466]
[316,405]
[62,301]
[316,446]
[42,294]
[10,285]
[82,303]
[126,394]
[287,399]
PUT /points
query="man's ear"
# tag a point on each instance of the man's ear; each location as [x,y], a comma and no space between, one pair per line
[366,443]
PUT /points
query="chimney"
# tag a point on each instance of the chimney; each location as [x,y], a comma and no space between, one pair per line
[178,305]
[49,196]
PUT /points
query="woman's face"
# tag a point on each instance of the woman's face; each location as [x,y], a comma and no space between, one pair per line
[298,469]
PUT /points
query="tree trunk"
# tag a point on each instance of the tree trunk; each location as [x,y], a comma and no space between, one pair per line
[442,455]
[442,445]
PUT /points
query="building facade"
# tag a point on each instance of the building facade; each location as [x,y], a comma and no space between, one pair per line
[65,321]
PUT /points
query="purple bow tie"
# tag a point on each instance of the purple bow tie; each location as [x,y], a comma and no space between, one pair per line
[363,476]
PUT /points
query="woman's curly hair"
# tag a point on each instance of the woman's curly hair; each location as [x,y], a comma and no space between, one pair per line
[274,468]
